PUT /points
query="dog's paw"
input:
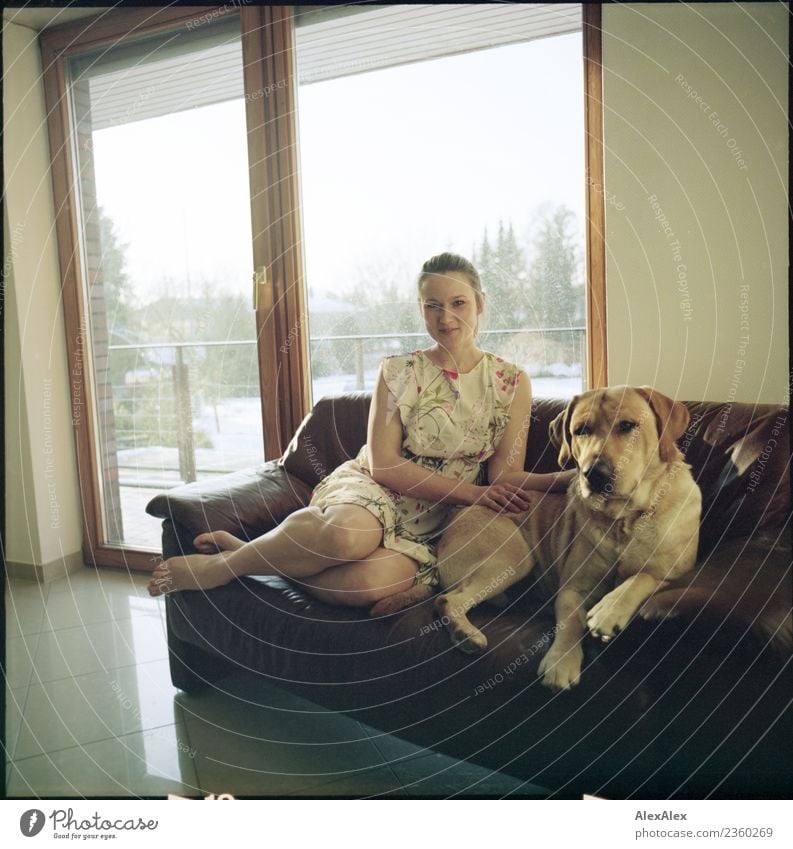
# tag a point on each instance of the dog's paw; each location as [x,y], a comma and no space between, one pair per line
[387,606]
[469,640]
[561,670]
[607,618]
[661,605]
[399,601]
[463,634]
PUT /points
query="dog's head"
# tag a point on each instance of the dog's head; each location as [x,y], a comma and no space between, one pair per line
[616,435]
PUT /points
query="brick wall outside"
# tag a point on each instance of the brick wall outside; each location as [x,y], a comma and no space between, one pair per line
[96,305]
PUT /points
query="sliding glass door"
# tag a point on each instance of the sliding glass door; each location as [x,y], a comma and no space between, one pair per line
[160,145]
[443,127]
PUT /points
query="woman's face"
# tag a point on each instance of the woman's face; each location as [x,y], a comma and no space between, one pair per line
[451,307]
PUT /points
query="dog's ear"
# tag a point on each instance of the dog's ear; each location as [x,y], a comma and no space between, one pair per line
[559,433]
[672,419]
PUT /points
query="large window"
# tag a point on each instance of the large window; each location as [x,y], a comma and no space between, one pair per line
[463,131]
[189,206]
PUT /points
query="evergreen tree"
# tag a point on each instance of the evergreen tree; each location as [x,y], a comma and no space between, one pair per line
[513,277]
[553,296]
[484,261]
[502,269]
[118,295]
[118,298]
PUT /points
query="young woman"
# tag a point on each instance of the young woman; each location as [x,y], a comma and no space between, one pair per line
[447,426]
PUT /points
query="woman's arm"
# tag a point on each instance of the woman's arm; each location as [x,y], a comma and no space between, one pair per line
[389,468]
[510,454]
[506,464]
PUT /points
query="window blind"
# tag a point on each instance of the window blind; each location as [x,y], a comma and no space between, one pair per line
[202,64]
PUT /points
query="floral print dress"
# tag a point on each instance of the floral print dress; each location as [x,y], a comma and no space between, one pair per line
[451,424]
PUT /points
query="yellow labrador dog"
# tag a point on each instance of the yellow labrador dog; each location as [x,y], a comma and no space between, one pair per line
[629,523]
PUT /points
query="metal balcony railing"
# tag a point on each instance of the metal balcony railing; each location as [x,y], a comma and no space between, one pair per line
[174,389]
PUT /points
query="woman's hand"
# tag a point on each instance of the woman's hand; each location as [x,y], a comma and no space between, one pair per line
[503,498]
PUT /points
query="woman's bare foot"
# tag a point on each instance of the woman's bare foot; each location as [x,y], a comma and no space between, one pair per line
[193,572]
[215,541]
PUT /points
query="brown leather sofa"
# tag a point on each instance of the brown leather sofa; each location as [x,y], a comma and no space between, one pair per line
[695,705]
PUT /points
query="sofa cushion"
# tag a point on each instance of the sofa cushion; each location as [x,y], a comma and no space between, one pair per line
[332,433]
[250,502]
[739,454]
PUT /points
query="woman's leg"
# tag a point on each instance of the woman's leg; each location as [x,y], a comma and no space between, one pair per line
[306,543]
[364,582]
[214,541]
[386,583]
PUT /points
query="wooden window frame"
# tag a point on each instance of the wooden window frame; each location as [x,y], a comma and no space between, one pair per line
[269,67]
[597,339]
[279,298]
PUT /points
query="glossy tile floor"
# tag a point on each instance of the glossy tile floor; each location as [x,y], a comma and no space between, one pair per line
[91,711]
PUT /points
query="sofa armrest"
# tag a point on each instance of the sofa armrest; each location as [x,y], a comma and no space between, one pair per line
[249,502]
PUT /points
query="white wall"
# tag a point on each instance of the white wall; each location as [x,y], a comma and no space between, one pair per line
[42,494]
[697,265]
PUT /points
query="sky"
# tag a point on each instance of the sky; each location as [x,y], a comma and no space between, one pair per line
[395,165]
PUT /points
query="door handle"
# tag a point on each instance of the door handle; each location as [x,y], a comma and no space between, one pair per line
[259,279]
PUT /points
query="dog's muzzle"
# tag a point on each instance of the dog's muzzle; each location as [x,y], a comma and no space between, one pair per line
[600,478]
